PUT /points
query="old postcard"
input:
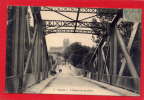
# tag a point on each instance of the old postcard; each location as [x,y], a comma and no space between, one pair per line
[77,51]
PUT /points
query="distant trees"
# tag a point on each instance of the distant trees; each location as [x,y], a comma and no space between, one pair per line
[75,54]
[88,60]
[106,13]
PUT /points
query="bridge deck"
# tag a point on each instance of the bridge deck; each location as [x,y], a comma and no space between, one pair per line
[68,82]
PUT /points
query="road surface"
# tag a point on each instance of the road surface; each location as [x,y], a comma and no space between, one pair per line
[68,83]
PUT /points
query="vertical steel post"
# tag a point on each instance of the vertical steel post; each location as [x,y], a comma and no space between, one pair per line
[36,56]
[15,47]
[111,56]
[21,47]
[42,59]
[114,57]
[39,51]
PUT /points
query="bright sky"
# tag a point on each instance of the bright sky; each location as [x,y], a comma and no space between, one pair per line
[56,40]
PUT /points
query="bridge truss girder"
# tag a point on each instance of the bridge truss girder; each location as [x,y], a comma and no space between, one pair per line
[97,26]
[106,58]
[65,9]
[69,31]
[29,59]
[24,58]
[62,23]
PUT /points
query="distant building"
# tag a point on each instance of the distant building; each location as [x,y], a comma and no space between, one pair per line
[60,49]
[66,43]
[56,51]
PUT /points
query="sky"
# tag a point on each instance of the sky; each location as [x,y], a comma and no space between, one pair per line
[56,40]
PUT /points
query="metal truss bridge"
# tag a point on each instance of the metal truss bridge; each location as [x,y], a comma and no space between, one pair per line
[28,61]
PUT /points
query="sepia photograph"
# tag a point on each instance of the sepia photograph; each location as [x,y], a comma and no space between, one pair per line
[73,51]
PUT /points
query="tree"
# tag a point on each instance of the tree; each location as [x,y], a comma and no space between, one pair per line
[89,59]
[75,53]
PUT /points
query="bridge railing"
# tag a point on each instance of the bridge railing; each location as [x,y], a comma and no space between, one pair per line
[27,56]
[125,82]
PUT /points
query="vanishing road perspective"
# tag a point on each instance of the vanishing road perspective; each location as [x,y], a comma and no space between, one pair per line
[73,51]
[67,82]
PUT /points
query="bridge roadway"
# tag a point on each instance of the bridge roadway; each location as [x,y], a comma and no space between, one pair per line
[74,85]
[67,82]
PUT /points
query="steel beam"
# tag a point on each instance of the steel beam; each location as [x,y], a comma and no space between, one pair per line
[63,23]
[80,21]
[127,56]
[15,46]
[115,49]
[42,60]
[22,28]
[28,28]
[31,50]
[68,9]
[111,58]
[36,57]
[70,31]
[76,21]
[133,33]
[39,53]
[104,60]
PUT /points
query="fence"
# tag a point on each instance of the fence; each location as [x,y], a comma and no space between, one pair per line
[125,82]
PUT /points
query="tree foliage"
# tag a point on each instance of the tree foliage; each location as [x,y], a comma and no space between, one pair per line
[106,12]
[75,53]
[88,60]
